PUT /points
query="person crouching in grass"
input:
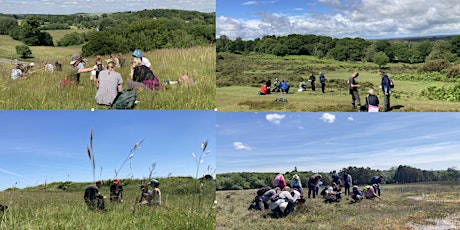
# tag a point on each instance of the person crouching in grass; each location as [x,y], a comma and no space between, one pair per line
[93,198]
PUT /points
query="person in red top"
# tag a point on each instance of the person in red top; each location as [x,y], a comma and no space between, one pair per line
[279,181]
[263,89]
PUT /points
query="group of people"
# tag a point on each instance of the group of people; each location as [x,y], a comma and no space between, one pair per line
[108,81]
[95,201]
[20,70]
[282,198]
[283,87]
[312,80]
[372,101]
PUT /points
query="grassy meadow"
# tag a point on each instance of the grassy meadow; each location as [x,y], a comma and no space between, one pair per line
[40,90]
[239,78]
[184,206]
[402,206]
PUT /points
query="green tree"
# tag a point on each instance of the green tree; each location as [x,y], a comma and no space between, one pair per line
[381,59]
[23,50]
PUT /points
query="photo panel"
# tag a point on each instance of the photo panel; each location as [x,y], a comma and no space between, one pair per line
[399,170]
[148,162]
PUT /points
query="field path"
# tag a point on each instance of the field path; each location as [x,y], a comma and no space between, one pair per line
[12,61]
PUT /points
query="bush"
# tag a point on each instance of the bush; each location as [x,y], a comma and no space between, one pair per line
[453,72]
[437,65]
[71,39]
[23,50]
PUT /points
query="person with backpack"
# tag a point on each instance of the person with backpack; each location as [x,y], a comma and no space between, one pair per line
[279,181]
[386,88]
[322,80]
[93,198]
[116,191]
[335,177]
[353,87]
[109,84]
[297,183]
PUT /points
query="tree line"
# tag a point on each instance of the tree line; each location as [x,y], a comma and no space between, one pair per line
[116,32]
[346,49]
[360,175]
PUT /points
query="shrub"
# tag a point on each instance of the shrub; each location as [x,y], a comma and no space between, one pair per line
[437,65]
[23,50]
[453,72]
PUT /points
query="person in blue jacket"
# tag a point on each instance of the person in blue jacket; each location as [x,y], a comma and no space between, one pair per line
[386,88]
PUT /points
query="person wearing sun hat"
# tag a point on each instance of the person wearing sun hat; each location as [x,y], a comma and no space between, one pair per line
[77,68]
[116,191]
[145,61]
[155,200]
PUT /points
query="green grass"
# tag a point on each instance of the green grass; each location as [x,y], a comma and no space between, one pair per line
[239,78]
[399,208]
[40,90]
[183,208]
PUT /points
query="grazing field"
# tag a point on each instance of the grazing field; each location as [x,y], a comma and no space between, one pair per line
[402,206]
[239,78]
[186,205]
[41,90]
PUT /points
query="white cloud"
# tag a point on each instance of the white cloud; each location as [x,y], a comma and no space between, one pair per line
[275,118]
[350,118]
[241,146]
[250,3]
[366,19]
[328,118]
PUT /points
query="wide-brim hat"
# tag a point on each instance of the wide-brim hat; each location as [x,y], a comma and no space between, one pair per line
[153,181]
[75,58]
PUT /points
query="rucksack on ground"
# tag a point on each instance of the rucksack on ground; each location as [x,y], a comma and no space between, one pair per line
[125,99]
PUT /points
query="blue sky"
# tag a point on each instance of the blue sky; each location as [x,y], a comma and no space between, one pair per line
[100,6]
[368,19]
[322,142]
[39,146]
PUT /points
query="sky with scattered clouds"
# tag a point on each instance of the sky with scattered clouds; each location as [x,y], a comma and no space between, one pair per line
[100,6]
[39,146]
[368,19]
[322,142]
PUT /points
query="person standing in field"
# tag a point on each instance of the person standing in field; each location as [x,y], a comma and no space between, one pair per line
[386,88]
[322,80]
[312,81]
[335,177]
[279,181]
[109,85]
[355,100]
[297,183]
[347,182]
[93,198]
[312,182]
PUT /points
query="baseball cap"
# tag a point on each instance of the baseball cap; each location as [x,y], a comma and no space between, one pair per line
[137,53]
[116,181]
[75,58]
[153,181]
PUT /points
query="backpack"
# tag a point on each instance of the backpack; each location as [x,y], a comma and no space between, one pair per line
[281,99]
[125,99]
[392,85]
[262,190]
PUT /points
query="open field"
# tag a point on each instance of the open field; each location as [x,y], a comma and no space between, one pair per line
[40,90]
[239,78]
[184,207]
[403,206]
